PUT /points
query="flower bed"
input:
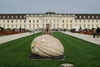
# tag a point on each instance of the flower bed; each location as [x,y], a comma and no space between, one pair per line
[10,32]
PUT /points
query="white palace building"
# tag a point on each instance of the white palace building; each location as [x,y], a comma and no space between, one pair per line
[56,20]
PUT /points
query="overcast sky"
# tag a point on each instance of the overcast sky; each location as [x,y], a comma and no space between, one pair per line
[42,6]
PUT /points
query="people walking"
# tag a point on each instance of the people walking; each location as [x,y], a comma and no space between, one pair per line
[33,30]
[94,33]
[30,30]
[97,31]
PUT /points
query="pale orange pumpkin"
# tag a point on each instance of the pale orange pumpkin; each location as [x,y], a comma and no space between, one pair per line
[46,45]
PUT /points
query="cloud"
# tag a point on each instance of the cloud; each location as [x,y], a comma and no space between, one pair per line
[42,6]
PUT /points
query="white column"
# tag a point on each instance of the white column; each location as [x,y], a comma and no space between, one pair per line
[73,22]
[27,22]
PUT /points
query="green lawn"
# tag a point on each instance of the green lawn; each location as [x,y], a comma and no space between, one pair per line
[78,52]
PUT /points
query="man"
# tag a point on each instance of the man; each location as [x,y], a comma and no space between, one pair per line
[47,30]
[97,30]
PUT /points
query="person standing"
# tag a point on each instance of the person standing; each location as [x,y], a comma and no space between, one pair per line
[47,30]
[97,31]
[30,30]
[33,30]
[94,33]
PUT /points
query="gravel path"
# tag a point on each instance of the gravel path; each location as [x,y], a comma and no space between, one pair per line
[7,38]
[88,38]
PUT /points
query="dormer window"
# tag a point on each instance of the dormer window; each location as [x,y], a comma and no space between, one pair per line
[7,16]
[84,16]
[80,17]
[12,17]
[96,16]
[75,16]
[20,16]
[3,16]
[92,16]
[16,16]
[88,16]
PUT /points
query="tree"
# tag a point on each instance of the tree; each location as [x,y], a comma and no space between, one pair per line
[1,29]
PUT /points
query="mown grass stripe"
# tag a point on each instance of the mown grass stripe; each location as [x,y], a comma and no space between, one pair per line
[79,52]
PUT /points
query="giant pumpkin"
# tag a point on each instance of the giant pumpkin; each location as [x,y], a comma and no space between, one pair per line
[46,45]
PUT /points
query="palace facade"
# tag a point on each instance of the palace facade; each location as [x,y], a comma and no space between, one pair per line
[56,20]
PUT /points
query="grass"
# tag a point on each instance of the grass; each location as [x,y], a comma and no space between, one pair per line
[78,52]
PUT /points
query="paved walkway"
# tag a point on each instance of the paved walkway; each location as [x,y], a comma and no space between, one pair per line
[7,38]
[88,38]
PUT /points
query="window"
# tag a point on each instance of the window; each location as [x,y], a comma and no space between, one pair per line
[88,16]
[80,17]
[24,21]
[12,21]
[96,25]
[3,16]
[20,25]
[92,16]
[92,26]
[20,16]
[88,26]
[3,20]
[16,16]
[88,20]
[84,25]
[84,16]
[63,25]
[24,25]
[11,16]
[75,16]
[97,21]
[66,20]
[37,20]
[33,25]
[63,21]
[24,16]
[71,21]
[16,25]
[57,21]
[46,21]
[30,25]
[4,26]
[7,16]
[76,21]
[80,20]
[71,25]
[54,20]
[50,20]
[92,20]
[8,21]
[29,20]
[20,20]
[12,25]
[37,25]
[8,25]
[16,20]
[33,20]
[84,20]
[96,16]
